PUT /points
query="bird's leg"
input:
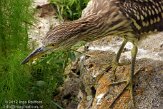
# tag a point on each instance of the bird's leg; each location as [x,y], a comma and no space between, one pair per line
[115,62]
[133,59]
[130,81]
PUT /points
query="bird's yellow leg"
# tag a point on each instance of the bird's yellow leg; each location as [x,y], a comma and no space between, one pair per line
[133,59]
[115,62]
[130,81]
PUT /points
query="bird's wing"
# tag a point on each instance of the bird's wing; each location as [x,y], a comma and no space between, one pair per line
[146,15]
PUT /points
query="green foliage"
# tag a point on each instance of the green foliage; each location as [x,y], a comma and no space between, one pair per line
[24,82]
[39,80]
[70,9]
[47,76]
[14,78]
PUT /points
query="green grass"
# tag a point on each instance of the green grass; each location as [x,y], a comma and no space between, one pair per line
[70,9]
[14,78]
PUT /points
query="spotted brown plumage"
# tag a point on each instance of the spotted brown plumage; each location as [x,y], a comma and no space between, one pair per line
[129,19]
[146,15]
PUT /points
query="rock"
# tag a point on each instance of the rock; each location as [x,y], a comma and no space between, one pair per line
[96,77]
[147,83]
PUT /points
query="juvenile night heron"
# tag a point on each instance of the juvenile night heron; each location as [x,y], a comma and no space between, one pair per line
[130,19]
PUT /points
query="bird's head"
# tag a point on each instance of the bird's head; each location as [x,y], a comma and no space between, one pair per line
[37,53]
[59,38]
[63,37]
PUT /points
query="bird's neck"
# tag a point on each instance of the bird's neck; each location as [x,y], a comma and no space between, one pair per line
[95,26]
[108,21]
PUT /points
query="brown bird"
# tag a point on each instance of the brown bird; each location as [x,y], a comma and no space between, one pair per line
[129,19]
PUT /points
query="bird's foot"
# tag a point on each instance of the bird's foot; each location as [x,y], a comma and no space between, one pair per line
[114,67]
[128,85]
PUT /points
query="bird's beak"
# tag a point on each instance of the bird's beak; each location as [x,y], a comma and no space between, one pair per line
[36,53]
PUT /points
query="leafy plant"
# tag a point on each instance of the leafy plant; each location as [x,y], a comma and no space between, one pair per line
[40,80]
[70,9]
[47,76]
[14,78]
